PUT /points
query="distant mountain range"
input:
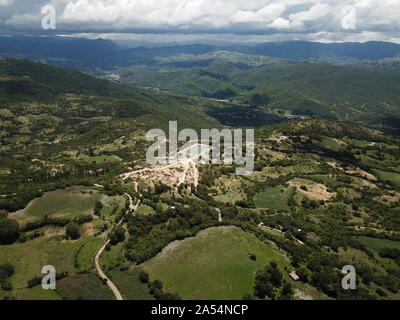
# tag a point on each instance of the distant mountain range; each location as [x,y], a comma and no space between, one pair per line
[92,55]
[259,83]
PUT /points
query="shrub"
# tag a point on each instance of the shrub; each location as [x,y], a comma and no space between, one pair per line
[73,231]
[6,285]
[144,277]
[9,231]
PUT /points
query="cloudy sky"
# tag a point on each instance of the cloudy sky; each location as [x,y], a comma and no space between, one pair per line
[243,20]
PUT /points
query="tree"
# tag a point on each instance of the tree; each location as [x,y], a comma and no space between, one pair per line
[3,214]
[118,235]
[260,290]
[168,296]
[303,274]
[155,287]
[6,270]
[276,277]
[259,99]
[9,231]
[6,285]
[287,289]
[73,231]
[144,277]
[97,208]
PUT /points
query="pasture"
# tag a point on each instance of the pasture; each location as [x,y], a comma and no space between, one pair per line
[274,198]
[377,244]
[213,265]
[388,176]
[28,258]
[71,202]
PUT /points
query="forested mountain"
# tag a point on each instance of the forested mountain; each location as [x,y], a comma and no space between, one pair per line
[310,89]
[92,55]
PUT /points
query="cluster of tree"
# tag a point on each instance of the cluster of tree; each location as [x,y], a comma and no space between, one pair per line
[30,236]
[6,271]
[391,253]
[117,235]
[57,221]
[9,230]
[150,234]
[20,192]
[97,208]
[156,288]
[73,231]
[270,283]
[161,188]
[258,99]
[314,265]
[37,280]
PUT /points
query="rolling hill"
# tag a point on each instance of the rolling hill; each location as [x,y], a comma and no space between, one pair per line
[296,88]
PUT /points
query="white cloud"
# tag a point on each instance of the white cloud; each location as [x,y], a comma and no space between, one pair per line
[349,20]
[304,17]
[6,2]
[317,11]
[280,23]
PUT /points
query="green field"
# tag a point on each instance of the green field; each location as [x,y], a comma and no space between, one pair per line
[28,258]
[129,285]
[378,244]
[273,198]
[357,143]
[144,210]
[98,159]
[388,176]
[213,265]
[112,258]
[330,144]
[36,293]
[84,287]
[72,202]
[326,180]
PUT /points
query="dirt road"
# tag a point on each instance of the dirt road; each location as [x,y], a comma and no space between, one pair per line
[112,286]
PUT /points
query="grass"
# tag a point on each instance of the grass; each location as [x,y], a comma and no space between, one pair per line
[388,176]
[230,190]
[28,258]
[273,232]
[36,293]
[326,179]
[84,287]
[378,244]
[71,202]
[213,265]
[129,285]
[273,198]
[145,210]
[111,259]
[330,144]
[357,143]
[85,256]
[99,159]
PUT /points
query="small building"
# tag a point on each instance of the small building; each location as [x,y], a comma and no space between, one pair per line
[294,276]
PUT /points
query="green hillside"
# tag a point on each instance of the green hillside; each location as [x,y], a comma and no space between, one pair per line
[323,194]
[298,89]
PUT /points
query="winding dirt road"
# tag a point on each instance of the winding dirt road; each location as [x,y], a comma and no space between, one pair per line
[111,285]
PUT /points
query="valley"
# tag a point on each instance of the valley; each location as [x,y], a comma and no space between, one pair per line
[325,192]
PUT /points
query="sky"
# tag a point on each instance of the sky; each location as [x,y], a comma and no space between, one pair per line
[217,20]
